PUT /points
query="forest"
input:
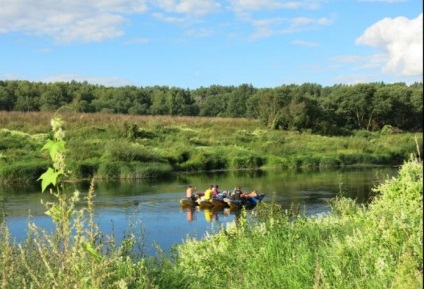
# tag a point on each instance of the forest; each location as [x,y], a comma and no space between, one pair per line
[335,110]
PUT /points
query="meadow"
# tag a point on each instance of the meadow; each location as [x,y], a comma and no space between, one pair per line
[112,146]
[377,245]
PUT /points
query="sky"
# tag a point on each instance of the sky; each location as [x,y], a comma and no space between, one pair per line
[199,43]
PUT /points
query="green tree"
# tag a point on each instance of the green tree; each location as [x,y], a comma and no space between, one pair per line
[82,97]
[237,103]
[54,97]
[102,101]
[159,102]
[7,101]
[28,96]
[269,107]
[179,102]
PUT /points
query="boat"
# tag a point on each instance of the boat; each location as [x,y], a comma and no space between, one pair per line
[249,202]
[219,202]
[188,202]
[204,203]
[191,202]
[244,202]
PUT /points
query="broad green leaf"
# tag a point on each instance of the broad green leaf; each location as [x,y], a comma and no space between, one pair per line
[54,147]
[49,177]
[47,145]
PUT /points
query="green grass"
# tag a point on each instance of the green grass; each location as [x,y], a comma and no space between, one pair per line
[97,143]
[355,246]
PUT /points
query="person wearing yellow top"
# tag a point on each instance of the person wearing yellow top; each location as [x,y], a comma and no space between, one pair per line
[208,194]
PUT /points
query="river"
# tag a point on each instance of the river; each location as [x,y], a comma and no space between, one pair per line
[152,207]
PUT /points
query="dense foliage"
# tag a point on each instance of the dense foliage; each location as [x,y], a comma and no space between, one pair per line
[338,109]
[378,246]
[116,146]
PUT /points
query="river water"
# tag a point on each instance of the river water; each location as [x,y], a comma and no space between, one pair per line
[152,208]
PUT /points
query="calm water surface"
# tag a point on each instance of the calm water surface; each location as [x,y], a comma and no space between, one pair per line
[153,207]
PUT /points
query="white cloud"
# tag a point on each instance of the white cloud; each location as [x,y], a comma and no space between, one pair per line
[242,5]
[401,39]
[198,33]
[138,41]
[274,26]
[170,19]
[122,6]
[67,21]
[192,7]
[304,43]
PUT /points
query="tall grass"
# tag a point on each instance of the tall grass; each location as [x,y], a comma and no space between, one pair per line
[378,246]
[97,143]
[353,247]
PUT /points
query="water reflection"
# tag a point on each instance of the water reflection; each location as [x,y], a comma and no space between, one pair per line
[156,203]
[189,214]
[214,214]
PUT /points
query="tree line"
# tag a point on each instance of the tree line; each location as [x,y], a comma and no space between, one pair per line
[332,110]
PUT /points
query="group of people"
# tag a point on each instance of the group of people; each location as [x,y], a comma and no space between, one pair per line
[238,194]
[213,191]
[208,194]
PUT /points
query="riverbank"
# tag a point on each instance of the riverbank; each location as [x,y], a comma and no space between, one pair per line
[110,146]
[355,246]
[352,247]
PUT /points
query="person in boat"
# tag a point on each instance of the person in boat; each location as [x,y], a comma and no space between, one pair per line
[250,198]
[208,194]
[190,193]
[221,195]
[253,194]
[235,195]
[215,191]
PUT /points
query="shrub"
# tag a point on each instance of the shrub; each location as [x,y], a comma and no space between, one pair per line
[109,170]
[277,162]
[137,170]
[350,159]
[310,162]
[84,169]
[129,152]
[26,172]
[201,160]
[329,162]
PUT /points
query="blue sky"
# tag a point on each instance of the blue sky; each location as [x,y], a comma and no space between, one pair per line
[194,43]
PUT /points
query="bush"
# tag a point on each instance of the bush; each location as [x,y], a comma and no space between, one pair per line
[109,170]
[85,169]
[243,159]
[25,172]
[310,162]
[329,162]
[205,161]
[137,170]
[129,152]
[350,159]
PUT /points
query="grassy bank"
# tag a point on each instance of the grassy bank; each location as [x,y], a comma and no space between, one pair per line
[377,246]
[136,147]
[354,247]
